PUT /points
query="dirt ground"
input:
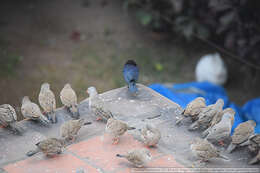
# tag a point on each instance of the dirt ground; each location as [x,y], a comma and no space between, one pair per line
[86,43]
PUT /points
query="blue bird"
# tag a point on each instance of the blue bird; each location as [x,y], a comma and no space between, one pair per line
[131,73]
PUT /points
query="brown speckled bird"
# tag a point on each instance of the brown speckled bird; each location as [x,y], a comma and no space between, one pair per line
[8,118]
[138,157]
[206,115]
[217,118]
[193,109]
[150,135]
[254,147]
[48,102]
[116,128]
[97,106]
[32,111]
[50,147]
[68,98]
[241,134]
[204,150]
[70,129]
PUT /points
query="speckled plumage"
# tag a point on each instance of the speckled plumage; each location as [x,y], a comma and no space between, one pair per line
[138,157]
[204,150]
[32,111]
[47,101]
[150,135]
[68,98]
[49,146]
[241,134]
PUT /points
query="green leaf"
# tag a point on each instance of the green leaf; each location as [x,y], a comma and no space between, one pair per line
[158,66]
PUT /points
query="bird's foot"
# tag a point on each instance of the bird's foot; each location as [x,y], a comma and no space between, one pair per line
[221,143]
[98,119]
[115,141]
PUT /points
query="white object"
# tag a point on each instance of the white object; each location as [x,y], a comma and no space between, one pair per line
[211,68]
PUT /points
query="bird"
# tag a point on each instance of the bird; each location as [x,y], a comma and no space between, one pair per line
[193,109]
[68,98]
[150,135]
[97,105]
[138,157]
[222,130]
[47,101]
[131,73]
[241,135]
[211,68]
[50,147]
[32,111]
[204,150]
[70,129]
[116,128]
[206,115]
[8,118]
[217,118]
[254,147]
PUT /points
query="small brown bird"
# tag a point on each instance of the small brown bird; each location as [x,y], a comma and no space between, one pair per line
[193,109]
[32,111]
[116,128]
[217,118]
[97,106]
[241,134]
[8,118]
[254,147]
[50,147]
[70,129]
[68,98]
[138,157]
[206,115]
[150,136]
[204,150]
[47,101]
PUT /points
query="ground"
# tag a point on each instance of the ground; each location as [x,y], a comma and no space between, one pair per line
[86,43]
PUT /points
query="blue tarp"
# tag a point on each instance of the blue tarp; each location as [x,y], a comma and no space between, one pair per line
[185,93]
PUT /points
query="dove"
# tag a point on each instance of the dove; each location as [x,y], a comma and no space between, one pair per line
[47,101]
[8,118]
[116,128]
[68,98]
[217,118]
[241,134]
[206,115]
[138,157]
[254,147]
[204,150]
[222,130]
[131,73]
[150,136]
[97,105]
[50,147]
[193,109]
[32,111]
[70,129]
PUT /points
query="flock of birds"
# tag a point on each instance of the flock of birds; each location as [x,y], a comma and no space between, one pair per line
[216,122]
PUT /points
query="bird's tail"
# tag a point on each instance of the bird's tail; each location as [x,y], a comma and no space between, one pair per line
[254,160]
[132,87]
[223,157]
[179,120]
[87,123]
[120,155]
[231,147]
[32,152]
[44,120]
[193,126]
[205,133]
[130,128]
[74,111]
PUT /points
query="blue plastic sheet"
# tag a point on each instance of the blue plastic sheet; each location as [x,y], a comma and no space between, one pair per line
[185,93]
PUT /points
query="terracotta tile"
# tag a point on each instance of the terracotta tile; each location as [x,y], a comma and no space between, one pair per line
[165,161]
[102,152]
[64,163]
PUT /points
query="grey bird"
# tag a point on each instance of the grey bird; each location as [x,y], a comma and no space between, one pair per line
[254,147]
[47,101]
[8,118]
[241,135]
[68,98]
[32,111]
[206,115]
[150,135]
[138,157]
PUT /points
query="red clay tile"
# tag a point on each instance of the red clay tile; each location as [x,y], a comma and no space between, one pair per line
[102,152]
[165,161]
[64,163]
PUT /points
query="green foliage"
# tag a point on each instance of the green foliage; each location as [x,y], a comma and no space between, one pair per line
[8,62]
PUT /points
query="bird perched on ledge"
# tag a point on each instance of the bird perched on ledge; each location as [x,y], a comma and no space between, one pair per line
[131,73]
[150,135]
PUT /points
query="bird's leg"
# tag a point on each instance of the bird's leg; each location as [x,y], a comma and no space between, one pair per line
[98,119]
[115,140]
